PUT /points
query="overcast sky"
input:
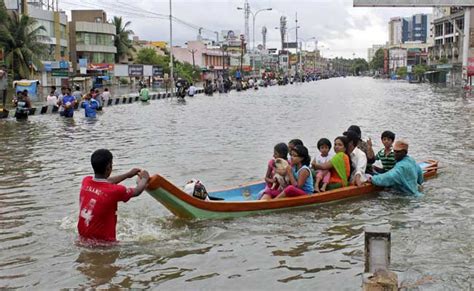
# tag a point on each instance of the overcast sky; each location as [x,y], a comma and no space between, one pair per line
[341,30]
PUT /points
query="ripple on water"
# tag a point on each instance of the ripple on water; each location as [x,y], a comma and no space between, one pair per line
[226,140]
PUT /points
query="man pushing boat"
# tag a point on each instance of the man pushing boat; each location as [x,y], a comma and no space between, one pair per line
[100,195]
[405,176]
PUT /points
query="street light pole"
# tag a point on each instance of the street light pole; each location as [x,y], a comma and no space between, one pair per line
[254,15]
[171,49]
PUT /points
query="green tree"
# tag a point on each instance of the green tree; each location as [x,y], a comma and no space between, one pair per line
[20,36]
[122,38]
[402,72]
[359,65]
[147,56]
[419,70]
[378,60]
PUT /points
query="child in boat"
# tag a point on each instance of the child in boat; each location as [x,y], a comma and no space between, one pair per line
[280,151]
[292,144]
[339,165]
[324,145]
[385,155]
[280,177]
[301,178]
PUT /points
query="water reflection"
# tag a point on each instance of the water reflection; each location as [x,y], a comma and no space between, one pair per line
[98,266]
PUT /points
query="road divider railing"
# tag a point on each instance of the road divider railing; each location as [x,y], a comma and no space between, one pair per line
[50,109]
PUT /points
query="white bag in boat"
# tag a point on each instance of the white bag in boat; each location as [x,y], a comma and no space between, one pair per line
[196,189]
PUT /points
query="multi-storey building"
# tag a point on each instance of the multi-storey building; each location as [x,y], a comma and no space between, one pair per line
[395,26]
[55,34]
[91,40]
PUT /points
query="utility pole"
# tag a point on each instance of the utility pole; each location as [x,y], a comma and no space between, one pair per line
[193,51]
[247,15]
[171,49]
[296,40]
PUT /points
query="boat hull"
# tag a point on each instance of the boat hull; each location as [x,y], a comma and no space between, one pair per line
[244,198]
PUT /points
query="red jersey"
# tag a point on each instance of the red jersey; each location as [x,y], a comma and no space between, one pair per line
[98,206]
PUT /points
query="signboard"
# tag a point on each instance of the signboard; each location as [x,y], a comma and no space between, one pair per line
[470,66]
[47,67]
[412,3]
[60,73]
[157,71]
[63,64]
[409,69]
[135,70]
[82,63]
[100,67]
[290,45]
[444,67]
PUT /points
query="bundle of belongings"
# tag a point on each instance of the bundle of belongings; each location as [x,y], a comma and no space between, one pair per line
[195,188]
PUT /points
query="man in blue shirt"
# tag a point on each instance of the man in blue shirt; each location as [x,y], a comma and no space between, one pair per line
[405,176]
[68,103]
[90,106]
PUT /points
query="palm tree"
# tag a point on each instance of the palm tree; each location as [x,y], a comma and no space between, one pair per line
[122,38]
[19,36]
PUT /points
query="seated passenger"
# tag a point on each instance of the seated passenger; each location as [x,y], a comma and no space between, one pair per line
[324,145]
[358,159]
[280,151]
[301,178]
[339,165]
[363,146]
[291,145]
[385,155]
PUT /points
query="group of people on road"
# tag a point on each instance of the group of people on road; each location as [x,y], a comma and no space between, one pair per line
[67,100]
[351,163]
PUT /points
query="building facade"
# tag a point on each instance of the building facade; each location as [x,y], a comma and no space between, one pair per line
[395,26]
[416,28]
[91,40]
[55,35]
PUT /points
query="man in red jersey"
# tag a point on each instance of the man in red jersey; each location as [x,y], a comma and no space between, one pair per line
[100,195]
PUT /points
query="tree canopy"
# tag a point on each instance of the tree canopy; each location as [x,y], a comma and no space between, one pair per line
[20,37]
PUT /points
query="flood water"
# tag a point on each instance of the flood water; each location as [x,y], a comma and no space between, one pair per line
[226,140]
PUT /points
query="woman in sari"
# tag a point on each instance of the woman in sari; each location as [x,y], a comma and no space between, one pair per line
[339,165]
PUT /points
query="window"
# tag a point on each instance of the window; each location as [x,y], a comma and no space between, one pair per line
[439,30]
[94,39]
[438,42]
[449,40]
[448,28]
[460,23]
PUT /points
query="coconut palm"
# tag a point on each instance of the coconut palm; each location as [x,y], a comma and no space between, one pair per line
[122,38]
[19,36]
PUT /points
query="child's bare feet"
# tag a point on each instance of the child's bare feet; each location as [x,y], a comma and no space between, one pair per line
[323,188]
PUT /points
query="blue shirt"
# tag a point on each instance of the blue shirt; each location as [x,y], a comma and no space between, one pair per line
[90,107]
[308,186]
[405,176]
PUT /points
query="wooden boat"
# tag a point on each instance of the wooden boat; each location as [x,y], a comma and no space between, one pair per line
[243,200]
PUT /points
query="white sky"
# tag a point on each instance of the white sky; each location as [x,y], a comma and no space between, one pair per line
[341,30]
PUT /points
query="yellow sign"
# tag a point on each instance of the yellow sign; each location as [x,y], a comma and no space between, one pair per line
[159,44]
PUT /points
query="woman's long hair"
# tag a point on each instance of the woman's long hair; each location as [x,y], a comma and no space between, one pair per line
[302,152]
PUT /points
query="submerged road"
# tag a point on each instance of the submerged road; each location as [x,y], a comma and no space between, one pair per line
[226,140]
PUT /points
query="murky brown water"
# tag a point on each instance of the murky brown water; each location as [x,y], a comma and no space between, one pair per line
[226,140]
